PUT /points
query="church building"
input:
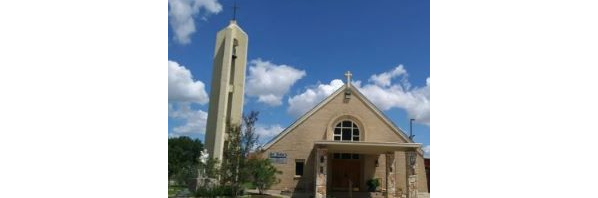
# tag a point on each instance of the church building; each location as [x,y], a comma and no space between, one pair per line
[340,144]
[332,150]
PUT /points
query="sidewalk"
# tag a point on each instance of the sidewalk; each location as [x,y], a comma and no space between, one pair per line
[275,193]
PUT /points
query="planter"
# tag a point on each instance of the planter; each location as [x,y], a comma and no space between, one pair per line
[373,184]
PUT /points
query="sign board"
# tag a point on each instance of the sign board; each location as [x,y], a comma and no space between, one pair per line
[278,157]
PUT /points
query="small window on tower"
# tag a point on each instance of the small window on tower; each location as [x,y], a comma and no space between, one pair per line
[235,44]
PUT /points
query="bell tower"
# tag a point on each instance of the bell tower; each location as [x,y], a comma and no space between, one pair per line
[228,83]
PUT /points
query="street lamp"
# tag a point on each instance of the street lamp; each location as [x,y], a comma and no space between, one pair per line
[411,129]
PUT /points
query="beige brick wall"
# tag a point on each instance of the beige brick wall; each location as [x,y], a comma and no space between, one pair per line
[299,143]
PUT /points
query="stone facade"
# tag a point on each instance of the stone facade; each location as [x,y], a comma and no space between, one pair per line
[321,172]
[391,190]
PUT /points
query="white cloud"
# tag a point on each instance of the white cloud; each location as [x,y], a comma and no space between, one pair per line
[182,87]
[194,120]
[181,13]
[267,132]
[386,95]
[383,79]
[426,151]
[270,82]
[305,101]
[380,90]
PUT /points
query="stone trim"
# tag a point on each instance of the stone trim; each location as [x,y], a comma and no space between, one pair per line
[321,172]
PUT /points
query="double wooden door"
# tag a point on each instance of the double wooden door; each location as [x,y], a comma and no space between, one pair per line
[344,172]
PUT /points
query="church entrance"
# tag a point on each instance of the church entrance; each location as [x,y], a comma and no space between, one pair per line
[346,171]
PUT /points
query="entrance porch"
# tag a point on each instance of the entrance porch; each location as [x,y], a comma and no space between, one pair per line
[343,168]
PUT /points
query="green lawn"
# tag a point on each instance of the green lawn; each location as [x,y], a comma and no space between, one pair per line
[172,190]
[248,185]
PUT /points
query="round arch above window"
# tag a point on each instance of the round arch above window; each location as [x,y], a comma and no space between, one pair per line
[346,130]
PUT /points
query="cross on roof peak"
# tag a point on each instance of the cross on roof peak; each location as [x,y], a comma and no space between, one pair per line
[348,75]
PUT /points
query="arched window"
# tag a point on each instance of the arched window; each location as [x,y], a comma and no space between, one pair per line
[346,130]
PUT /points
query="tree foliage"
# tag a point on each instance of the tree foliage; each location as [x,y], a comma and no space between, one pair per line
[240,142]
[183,154]
[263,174]
[239,165]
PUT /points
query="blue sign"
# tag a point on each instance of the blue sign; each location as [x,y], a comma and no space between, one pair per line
[278,157]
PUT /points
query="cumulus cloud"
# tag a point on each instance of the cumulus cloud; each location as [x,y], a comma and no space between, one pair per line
[270,82]
[194,120]
[182,87]
[383,79]
[182,12]
[386,95]
[380,90]
[266,132]
[305,101]
[183,91]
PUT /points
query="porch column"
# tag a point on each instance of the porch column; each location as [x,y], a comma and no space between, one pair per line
[391,187]
[321,172]
[412,174]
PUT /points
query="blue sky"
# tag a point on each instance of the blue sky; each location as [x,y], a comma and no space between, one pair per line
[386,45]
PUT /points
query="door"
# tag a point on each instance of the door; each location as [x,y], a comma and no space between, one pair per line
[345,171]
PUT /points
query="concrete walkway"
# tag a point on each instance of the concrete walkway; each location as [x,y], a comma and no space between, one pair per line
[268,192]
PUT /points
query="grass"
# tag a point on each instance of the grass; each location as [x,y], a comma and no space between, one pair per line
[172,190]
[248,185]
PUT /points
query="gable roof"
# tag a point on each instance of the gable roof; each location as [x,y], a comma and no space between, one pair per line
[398,131]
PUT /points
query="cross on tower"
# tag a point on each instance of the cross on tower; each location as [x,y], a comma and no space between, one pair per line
[235,7]
[348,75]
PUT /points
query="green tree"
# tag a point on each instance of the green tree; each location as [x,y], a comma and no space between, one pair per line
[240,142]
[231,162]
[183,154]
[263,174]
[249,138]
[210,168]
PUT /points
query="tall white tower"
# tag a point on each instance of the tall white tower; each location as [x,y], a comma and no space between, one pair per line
[228,83]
